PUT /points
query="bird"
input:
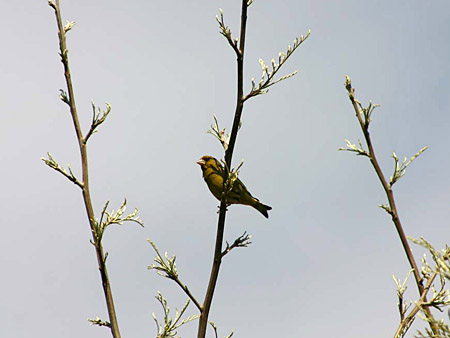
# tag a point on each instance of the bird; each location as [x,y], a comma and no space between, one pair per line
[213,174]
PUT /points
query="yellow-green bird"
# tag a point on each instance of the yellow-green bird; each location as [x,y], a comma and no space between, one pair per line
[213,172]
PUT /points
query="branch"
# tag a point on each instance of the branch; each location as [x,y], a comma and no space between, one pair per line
[203,322]
[54,165]
[268,76]
[226,32]
[97,321]
[97,119]
[167,268]
[96,227]
[242,241]
[219,134]
[400,168]
[401,288]
[114,217]
[360,151]
[363,115]
[213,325]
[439,299]
[408,320]
[228,142]
[168,329]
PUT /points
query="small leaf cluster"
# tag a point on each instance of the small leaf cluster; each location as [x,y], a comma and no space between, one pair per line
[400,168]
[114,217]
[164,267]
[268,73]
[168,329]
[242,241]
[98,117]
[52,163]
[220,134]
[97,321]
[360,151]
[439,295]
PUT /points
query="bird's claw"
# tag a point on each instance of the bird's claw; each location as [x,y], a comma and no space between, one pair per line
[226,208]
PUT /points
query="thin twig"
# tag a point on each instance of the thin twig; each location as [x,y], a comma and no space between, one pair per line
[242,241]
[167,268]
[55,165]
[188,292]
[225,31]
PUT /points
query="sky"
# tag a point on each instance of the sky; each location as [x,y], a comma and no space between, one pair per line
[322,264]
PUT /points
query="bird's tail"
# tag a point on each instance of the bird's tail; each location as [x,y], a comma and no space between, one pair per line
[262,208]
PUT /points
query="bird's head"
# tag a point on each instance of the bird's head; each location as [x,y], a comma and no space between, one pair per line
[207,162]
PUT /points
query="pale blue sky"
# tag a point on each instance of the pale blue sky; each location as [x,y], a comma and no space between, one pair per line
[322,265]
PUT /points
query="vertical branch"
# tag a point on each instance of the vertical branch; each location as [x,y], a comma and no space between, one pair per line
[364,124]
[389,193]
[240,86]
[101,258]
[203,321]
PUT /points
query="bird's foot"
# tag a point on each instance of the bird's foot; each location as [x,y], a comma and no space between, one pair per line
[226,208]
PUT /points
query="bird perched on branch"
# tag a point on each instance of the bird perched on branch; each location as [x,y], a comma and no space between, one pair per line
[213,174]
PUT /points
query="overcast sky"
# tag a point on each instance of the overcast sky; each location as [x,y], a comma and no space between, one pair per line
[322,264]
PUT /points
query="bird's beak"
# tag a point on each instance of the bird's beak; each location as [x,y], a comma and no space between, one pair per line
[201,162]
